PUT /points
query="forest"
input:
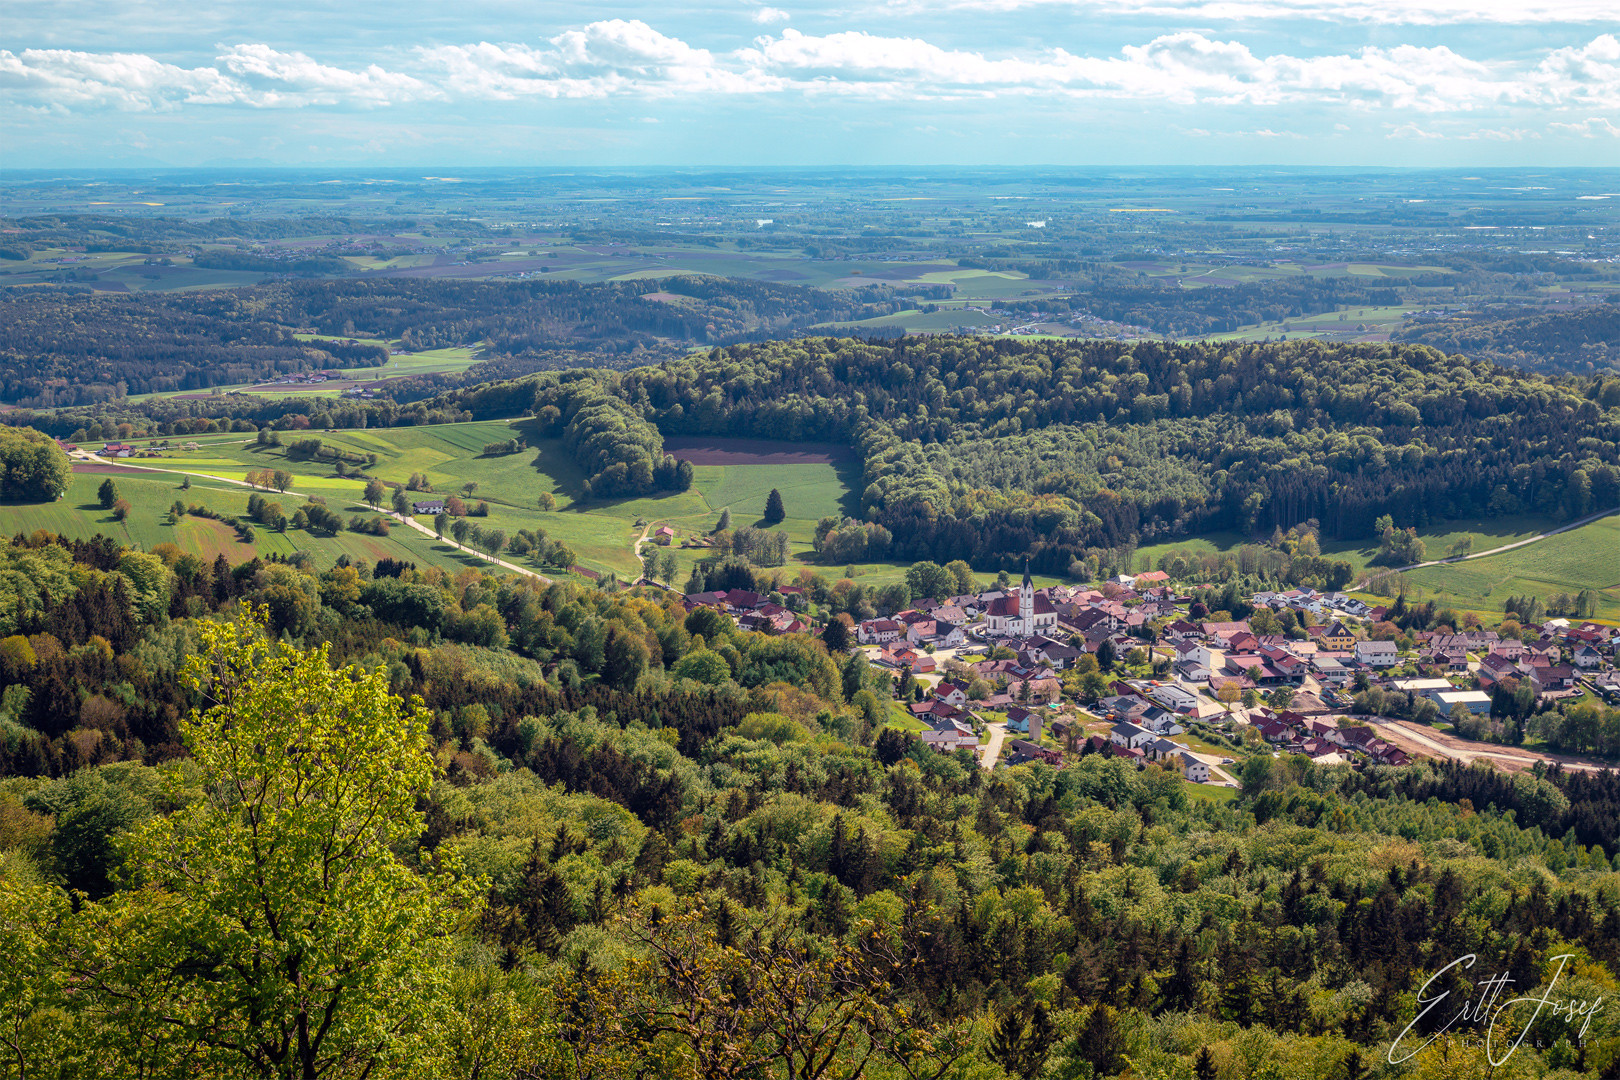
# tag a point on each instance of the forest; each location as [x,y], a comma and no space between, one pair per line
[1587,340]
[996,450]
[1166,306]
[62,348]
[516,830]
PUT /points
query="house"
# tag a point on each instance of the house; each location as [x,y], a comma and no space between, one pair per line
[1452,702]
[877,631]
[1194,770]
[1337,638]
[1152,577]
[741,600]
[1509,648]
[1160,749]
[428,506]
[1329,672]
[1275,731]
[1547,680]
[1130,736]
[663,536]
[1378,654]
[952,693]
[948,742]
[932,631]
[1176,698]
[1060,657]
[116,449]
[1021,615]
[1024,721]
[1158,721]
[1422,686]
[1587,657]
[1222,632]
[1493,669]
[1023,750]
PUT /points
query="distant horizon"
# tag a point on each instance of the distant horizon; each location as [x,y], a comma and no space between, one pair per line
[1283,167]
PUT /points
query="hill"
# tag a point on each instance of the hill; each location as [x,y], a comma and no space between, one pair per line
[1581,341]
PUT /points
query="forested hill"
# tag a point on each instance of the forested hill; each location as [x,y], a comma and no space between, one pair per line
[982,449]
[61,348]
[1582,341]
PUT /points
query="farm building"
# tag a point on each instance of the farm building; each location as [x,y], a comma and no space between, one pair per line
[428,506]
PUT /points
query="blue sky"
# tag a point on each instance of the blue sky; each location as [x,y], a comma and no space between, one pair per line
[865,82]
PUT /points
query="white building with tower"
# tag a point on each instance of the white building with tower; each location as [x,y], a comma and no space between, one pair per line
[1020,614]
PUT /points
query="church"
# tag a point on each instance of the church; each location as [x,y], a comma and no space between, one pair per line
[1022,614]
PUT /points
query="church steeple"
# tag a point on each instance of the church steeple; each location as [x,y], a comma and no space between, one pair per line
[1026,602]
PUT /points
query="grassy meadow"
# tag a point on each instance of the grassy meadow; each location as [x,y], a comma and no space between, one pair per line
[80,515]
[602,533]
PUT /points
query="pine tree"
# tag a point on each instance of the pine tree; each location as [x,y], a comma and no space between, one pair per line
[1204,1065]
[774,510]
[1099,1043]
[107,493]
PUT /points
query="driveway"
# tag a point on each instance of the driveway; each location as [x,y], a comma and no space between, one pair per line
[992,749]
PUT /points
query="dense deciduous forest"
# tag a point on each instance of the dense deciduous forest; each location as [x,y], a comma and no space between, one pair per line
[1581,341]
[590,834]
[965,439]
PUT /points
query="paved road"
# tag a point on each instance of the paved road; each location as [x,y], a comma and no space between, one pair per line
[1587,520]
[992,749]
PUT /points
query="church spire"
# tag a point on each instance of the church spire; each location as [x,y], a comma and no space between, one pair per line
[1028,583]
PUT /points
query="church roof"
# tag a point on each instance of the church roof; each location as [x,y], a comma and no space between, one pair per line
[1007,607]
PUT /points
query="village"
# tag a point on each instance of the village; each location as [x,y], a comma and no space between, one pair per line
[1130,669]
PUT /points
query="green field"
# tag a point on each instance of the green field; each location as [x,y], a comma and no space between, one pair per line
[1588,557]
[1486,533]
[79,515]
[602,533]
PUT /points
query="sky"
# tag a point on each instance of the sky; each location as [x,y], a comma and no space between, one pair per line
[88,83]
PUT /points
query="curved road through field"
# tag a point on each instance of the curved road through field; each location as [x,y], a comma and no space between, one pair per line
[412,522]
[1587,520]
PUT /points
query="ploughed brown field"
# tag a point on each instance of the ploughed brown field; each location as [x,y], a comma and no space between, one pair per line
[707,450]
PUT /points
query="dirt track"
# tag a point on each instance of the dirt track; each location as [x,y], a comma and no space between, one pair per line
[1417,739]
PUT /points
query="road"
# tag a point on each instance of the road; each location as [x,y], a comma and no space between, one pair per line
[1587,520]
[1415,737]
[992,749]
[412,522]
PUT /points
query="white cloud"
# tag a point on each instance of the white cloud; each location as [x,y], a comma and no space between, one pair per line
[629,58]
[1589,128]
[615,56]
[1412,131]
[1499,134]
[60,80]
[256,75]
[1389,12]
[270,78]
[765,16]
